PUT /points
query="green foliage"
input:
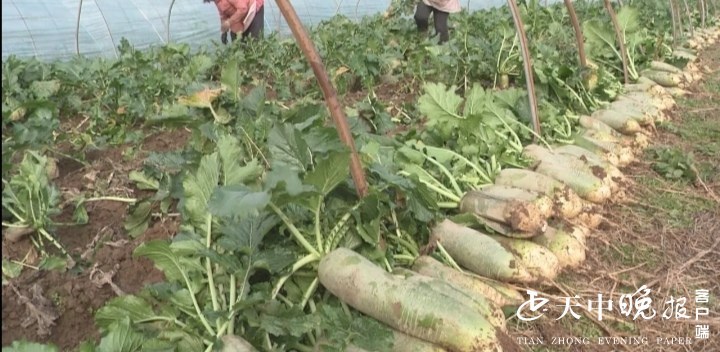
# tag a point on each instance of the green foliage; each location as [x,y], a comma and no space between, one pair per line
[25,346]
[263,187]
[674,164]
[33,199]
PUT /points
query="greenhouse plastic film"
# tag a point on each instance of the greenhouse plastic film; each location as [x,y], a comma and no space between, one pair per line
[47,29]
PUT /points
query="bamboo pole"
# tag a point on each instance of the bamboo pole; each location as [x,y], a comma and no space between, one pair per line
[674,22]
[620,38]
[689,16]
[678,15]
[713,3]
[329,92]
[527,64]
[578,33]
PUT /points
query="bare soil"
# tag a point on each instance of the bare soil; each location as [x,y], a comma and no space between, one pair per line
[68,300]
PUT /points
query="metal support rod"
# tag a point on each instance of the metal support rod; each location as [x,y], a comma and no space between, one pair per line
[578,33]
[527,64]
[167,25]
[77,29]
[107,26]
[329,92]
[620,38]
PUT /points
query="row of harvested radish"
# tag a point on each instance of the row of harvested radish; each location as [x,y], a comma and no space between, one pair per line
[674,79]
[539,218]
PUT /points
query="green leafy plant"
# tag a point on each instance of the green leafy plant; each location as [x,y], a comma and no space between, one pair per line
[601,43]
[33,200]
[674,164]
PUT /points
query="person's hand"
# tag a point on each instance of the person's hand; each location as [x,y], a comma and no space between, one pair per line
[223,37]
[224,26]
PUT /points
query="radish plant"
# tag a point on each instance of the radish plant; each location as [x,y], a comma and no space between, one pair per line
[33,200]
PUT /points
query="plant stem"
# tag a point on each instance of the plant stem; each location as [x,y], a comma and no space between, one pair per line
[25,265]
[233,293]
[297,266]
[302,348]
[17,216]
[13,225]
[83,163]
[208,264]
[267,163]
[448,205]
[311,289]
[111,198]
[439,190]
[179,323]
[294,231]
[199,312]
[335,233]
[449,258]
[467,161]
[318,233]
[445,171]
[406,257]
[53,241]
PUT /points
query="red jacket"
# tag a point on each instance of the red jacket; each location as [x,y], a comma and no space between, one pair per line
[235,12]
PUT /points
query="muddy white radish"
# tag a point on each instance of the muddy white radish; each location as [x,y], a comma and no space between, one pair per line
[520,215]
[411,307]
[566,203]
[428,266]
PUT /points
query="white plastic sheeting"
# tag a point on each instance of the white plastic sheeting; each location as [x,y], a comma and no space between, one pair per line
[47,29]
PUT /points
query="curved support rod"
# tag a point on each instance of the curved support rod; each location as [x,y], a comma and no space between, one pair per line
[678,15]
[620,38]
[107,26]
[527,64]
[77,29]
[676,37]
[336,111]
[689,17]
[578,33]
[167,25]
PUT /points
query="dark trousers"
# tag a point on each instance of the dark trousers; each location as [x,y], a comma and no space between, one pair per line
[422,17]
[256,28]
